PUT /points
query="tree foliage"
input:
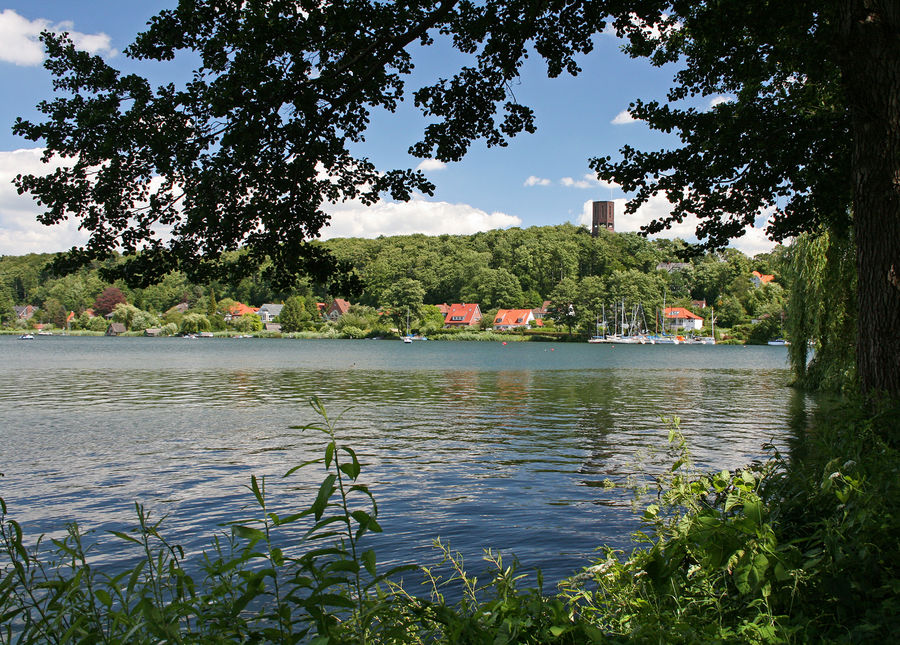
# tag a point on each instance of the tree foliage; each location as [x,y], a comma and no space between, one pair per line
[252,148]
[293,315]
[822,311]
[106,302]
[403,301]
[802,121]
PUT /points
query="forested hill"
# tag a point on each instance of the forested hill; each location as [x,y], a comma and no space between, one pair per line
[499,268]
[493,268]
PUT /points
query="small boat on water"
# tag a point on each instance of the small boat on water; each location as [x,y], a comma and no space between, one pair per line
[667,340]
[778,342]
[26,337]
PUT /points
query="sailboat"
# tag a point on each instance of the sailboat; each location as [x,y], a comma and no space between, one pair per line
[408,337]
[709,340]
[598,337]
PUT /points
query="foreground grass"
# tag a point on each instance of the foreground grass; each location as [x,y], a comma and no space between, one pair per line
[805,551]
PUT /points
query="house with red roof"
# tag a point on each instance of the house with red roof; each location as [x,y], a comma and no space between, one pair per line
[237,310]
[513,319]
[462,315]
[681,318]
[25,312]
[541,312]
[336,309]
[759,279]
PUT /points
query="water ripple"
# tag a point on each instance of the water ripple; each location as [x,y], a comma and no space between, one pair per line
[481,444]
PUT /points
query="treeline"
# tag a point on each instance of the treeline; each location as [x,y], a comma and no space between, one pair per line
[513,268]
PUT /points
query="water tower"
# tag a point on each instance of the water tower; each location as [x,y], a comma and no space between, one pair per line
[603,217]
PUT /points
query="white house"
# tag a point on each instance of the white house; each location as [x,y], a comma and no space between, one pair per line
[681,318]
[269,312]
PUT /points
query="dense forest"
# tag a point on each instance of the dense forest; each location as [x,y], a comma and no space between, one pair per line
[580,276]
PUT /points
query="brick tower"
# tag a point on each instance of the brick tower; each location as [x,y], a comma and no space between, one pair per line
[603,217]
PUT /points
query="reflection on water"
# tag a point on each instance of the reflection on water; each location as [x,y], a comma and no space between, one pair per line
[471,442]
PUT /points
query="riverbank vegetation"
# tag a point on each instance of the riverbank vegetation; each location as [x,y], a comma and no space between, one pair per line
[582,277]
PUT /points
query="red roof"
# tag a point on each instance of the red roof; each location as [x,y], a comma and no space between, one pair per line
[680,312]
[239,309]
[763,278]
[443,308]
[338,307]
[513,317]
[463,314]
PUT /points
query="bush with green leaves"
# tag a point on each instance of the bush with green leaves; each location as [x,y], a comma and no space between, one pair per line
[97,323]
[353,332]
[169,329]
[248,323]
[193,323]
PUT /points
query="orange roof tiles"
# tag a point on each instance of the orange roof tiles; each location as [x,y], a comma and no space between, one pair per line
[239,309]
[463,314]
[763,277]
[513,317]
[680,312]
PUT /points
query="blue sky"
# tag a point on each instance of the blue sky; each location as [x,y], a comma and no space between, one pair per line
[538,179]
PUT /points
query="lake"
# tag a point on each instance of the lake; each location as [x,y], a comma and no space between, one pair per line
[480,443]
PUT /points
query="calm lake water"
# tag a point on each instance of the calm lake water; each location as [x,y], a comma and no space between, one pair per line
[482,444]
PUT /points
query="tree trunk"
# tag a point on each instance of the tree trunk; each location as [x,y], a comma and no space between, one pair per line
[870,66]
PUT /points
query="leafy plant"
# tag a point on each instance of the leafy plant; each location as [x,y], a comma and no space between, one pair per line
[259,583]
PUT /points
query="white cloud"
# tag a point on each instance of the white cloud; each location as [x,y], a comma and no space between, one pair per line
[588,180]
[753,241]
[575,183]
[537,181]
[623,117]
[416,216]
[719,99]
[20,232]
[431,164]
[20,44]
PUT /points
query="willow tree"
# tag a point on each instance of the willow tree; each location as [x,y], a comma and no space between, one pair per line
[248,152]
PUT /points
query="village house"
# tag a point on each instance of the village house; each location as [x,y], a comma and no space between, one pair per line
[237,310]
[336,309]
[462,315]
[24,312]
[759,279]
[513,319]
[681,318]
[115,329]
[269,312]
[541,312]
